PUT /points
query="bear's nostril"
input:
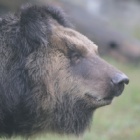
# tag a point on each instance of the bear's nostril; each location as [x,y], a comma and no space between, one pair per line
[126,80]
[120,79]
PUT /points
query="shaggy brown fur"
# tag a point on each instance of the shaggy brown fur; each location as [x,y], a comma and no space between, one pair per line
[51,77]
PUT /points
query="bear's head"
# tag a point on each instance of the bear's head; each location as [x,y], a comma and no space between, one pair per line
[60,77]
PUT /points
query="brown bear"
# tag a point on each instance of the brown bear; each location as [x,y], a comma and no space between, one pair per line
[51,77]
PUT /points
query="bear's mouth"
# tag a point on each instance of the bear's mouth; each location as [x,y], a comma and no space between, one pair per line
[98,102]
[102,101]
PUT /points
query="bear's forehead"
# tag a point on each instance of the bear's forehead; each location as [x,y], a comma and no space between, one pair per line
[73,37]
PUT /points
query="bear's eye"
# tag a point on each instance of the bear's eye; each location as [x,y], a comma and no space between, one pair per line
[74,56]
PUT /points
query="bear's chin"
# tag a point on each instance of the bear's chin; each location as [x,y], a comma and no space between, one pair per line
[101,103]
[71,118]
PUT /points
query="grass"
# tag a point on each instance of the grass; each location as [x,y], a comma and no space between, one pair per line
[119,121]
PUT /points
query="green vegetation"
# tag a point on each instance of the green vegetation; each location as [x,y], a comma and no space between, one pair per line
[119,121]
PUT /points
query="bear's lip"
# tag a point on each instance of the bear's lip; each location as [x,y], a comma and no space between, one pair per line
[98,102]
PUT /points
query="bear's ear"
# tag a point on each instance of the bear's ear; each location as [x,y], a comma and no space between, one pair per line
[33,25]
[57,14]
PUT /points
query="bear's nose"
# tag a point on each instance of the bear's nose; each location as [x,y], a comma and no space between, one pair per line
[120,79]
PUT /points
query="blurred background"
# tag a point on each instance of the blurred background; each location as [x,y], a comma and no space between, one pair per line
[114,25]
